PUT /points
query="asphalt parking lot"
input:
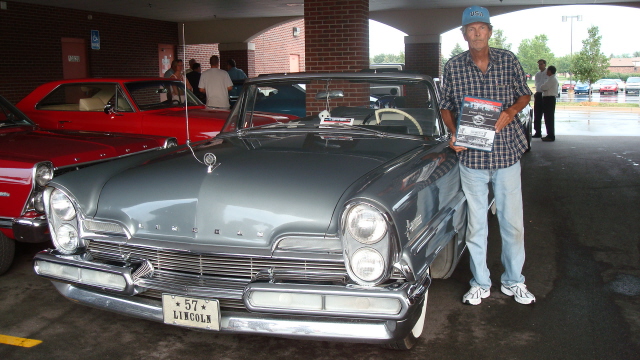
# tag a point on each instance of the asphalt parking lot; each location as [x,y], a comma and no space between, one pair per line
[581,196]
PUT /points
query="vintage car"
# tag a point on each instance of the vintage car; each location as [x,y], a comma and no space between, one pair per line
[154,106]
[329,226]
[29,157]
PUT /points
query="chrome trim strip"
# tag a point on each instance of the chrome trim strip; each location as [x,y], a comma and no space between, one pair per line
[319,328]
[6,222]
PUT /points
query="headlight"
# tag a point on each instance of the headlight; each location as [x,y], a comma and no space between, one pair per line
[44,174]
[366,224]
[66,239]
[62,206]
[367,264]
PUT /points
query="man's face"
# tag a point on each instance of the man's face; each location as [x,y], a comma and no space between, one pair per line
[477,35]
[541,65]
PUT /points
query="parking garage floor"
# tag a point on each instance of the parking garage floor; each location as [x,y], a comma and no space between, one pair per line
[581,196]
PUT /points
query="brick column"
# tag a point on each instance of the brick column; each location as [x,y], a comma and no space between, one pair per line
[243,53]
[422,54]
[336,40]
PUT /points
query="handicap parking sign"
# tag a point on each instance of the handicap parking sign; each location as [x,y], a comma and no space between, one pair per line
[95,40]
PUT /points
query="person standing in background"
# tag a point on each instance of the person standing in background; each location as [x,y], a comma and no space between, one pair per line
[216,84]
[549,94]
[540,78]
[194,79]
[234,72]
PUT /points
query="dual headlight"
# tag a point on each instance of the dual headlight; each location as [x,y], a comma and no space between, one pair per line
[367,243]
[42,174]
[63,223]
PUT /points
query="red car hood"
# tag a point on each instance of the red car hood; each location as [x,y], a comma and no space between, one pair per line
[65,148]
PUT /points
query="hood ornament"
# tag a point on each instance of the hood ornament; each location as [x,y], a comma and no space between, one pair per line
[211,161]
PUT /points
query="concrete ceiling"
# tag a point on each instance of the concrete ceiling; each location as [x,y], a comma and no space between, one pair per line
[204,10]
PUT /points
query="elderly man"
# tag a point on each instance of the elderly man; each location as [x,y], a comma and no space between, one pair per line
[494,74]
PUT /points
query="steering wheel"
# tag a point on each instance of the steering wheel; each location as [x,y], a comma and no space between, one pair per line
[397,111]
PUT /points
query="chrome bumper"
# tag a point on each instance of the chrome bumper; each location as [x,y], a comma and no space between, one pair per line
[31,230]
[335,327]
[347,330]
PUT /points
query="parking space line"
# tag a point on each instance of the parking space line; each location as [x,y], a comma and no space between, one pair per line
[16,341]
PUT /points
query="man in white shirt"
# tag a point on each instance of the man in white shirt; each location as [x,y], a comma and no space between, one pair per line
[216,83]
[549,94]
[540,78]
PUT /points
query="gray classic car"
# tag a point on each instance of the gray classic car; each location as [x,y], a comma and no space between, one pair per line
[328,224]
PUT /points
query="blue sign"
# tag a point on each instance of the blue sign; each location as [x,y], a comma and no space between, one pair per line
[95,40]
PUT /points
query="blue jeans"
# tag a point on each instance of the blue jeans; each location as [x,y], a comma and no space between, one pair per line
[508,196]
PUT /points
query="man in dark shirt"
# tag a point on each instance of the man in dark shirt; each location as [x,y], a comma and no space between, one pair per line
[194,79]
[493,74]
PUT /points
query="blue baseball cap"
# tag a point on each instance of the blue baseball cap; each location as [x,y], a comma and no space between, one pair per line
[475,14]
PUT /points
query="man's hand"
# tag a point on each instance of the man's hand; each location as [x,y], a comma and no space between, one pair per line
[452,145]
[505,118]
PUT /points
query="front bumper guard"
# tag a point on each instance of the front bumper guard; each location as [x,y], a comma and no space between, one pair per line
[327,326]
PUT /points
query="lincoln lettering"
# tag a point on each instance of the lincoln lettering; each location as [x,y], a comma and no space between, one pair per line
[186,315]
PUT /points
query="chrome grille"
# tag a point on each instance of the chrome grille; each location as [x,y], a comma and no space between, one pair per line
[219,265]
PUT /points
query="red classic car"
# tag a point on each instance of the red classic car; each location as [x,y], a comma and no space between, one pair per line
[30,157]
[154,106]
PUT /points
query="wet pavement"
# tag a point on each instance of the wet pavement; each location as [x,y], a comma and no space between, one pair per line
[582,216]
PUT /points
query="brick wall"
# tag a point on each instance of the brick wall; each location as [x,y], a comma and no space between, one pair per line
[274,46]
[423,58]
[30,45]
[337,40]
[201,52]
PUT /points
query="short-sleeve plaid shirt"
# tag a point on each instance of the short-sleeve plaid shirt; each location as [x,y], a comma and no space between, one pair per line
[504,81]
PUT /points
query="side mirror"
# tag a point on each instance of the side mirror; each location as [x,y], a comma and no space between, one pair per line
[108,109]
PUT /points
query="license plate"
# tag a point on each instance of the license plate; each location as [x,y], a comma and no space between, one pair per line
[191,312]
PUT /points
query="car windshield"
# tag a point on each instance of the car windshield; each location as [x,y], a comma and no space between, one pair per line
[633,80]
[11,116]
[609,82]
[159,94]
[393,105]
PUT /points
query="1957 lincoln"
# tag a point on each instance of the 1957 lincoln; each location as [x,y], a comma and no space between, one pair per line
[329,224]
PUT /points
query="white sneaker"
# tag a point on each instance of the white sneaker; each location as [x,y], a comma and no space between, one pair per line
[475,295]
[519,292]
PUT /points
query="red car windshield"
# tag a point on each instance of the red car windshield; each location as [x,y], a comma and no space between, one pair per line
[10,116]
[151,95]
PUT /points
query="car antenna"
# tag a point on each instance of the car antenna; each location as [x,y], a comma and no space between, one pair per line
[210,160]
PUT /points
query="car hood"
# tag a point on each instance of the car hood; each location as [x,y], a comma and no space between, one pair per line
[262,189]
[68,148]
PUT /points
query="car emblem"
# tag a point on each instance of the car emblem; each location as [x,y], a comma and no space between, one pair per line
[5,194]
[211,161]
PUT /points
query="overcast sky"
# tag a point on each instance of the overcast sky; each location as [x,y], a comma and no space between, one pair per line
[618,25]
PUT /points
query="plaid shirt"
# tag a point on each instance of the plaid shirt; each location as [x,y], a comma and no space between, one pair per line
[504,81]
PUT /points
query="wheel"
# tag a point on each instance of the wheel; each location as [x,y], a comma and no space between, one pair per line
[412,337]
[403,113]
[7,251]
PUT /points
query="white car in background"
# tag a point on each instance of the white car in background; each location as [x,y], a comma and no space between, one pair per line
[633,85]
[621,84]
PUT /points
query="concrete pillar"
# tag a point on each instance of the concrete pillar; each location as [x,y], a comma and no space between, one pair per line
[243,53]
[336,40]
[422,54]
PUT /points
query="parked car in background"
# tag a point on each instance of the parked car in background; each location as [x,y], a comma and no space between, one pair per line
[633,85]
[330,226]
[595,87]
[608,86]
[621,84]
[30,157]
[154,106]
[568,85]
[582,88]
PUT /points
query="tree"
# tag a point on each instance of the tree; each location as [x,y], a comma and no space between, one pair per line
[498,40]
[562,64]
[456,50]
[590,64]
[532,50]
[388,58]
[636,54]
